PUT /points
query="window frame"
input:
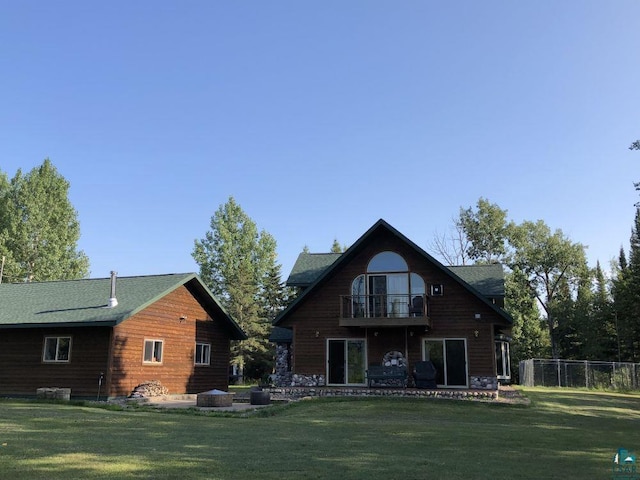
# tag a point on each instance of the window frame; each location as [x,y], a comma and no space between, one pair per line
[144,350]
[57,352]
[196,361]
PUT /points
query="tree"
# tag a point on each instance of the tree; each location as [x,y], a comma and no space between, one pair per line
[39,228]
[452,248]
[486,230]
[547,260]
[529,337]
[600,330]
[626,295]
[337,248]
[238,264]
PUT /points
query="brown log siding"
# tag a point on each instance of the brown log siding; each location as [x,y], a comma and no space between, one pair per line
[22,370]
[177,372]
[117,352]
[453,316]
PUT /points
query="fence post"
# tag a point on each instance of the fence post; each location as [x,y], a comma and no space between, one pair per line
[586,374]
[613,375]
[558,371]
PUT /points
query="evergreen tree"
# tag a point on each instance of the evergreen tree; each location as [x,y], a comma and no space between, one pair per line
[337,248]
[39,229]
[626,293]
[600,330]
[238,264]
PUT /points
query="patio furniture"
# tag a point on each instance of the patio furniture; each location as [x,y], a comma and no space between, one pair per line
[424,374]
[387,376]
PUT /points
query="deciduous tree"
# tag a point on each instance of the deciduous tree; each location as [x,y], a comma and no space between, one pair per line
[547,260]
[39,228]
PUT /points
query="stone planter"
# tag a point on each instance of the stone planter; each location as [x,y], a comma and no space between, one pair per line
[54,393]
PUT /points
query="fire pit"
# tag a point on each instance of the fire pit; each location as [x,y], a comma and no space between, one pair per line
[214,398]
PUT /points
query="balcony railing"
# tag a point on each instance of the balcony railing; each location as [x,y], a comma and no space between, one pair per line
[384,310]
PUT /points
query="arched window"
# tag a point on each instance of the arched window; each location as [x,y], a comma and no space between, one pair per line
[388,289]
[387,262]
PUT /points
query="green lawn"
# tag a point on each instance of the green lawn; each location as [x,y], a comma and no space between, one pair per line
[563,434]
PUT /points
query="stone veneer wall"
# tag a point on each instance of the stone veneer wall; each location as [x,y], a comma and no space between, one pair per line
[283,370]
[483,383]
[301,392]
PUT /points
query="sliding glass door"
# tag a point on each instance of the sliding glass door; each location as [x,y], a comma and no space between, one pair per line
[449,356]
[346,361]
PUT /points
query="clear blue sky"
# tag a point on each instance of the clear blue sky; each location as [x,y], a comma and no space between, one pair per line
[322,117]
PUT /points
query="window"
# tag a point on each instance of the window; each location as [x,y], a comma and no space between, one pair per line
[203,353]
[388,289]
[152,351]
[57,349]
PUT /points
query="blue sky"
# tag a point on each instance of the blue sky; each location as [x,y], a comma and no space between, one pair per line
[322,117]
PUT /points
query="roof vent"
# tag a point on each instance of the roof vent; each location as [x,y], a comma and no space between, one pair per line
[113,301]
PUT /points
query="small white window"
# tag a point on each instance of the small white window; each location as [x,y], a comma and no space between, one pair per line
[203,354]
[57,349]
[152,351]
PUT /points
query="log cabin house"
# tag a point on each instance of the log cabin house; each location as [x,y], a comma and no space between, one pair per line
[385,301]
[103,337]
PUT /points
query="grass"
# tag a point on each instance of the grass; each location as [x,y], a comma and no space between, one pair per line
[563,434]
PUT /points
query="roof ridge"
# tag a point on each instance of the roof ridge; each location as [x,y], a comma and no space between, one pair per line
[69,280]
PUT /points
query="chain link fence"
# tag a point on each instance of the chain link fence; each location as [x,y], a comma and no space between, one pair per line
[540,372]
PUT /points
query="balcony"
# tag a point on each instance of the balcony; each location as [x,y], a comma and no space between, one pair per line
[384,310]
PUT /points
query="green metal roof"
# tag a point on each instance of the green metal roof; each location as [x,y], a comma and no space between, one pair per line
[84,302]
[309,266]
[487,279]
[281,335]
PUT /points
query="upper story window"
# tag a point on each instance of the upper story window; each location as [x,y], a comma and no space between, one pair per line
[388,289]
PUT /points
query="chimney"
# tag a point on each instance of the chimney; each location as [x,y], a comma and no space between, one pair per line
[113,301]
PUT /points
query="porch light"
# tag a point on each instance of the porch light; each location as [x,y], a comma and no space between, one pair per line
[317,333]
[478,316]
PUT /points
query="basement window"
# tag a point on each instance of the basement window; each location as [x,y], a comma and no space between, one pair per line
[57,349]
[203,354]
[152,351]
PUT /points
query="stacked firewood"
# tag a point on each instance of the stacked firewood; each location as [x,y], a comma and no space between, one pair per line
[152,388]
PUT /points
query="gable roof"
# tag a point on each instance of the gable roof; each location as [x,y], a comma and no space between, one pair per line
[490,284]
[84,302]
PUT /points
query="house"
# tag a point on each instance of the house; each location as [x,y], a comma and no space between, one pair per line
[385,301]
[106,336]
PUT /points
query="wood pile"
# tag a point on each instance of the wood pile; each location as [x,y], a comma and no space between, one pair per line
[152,388]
